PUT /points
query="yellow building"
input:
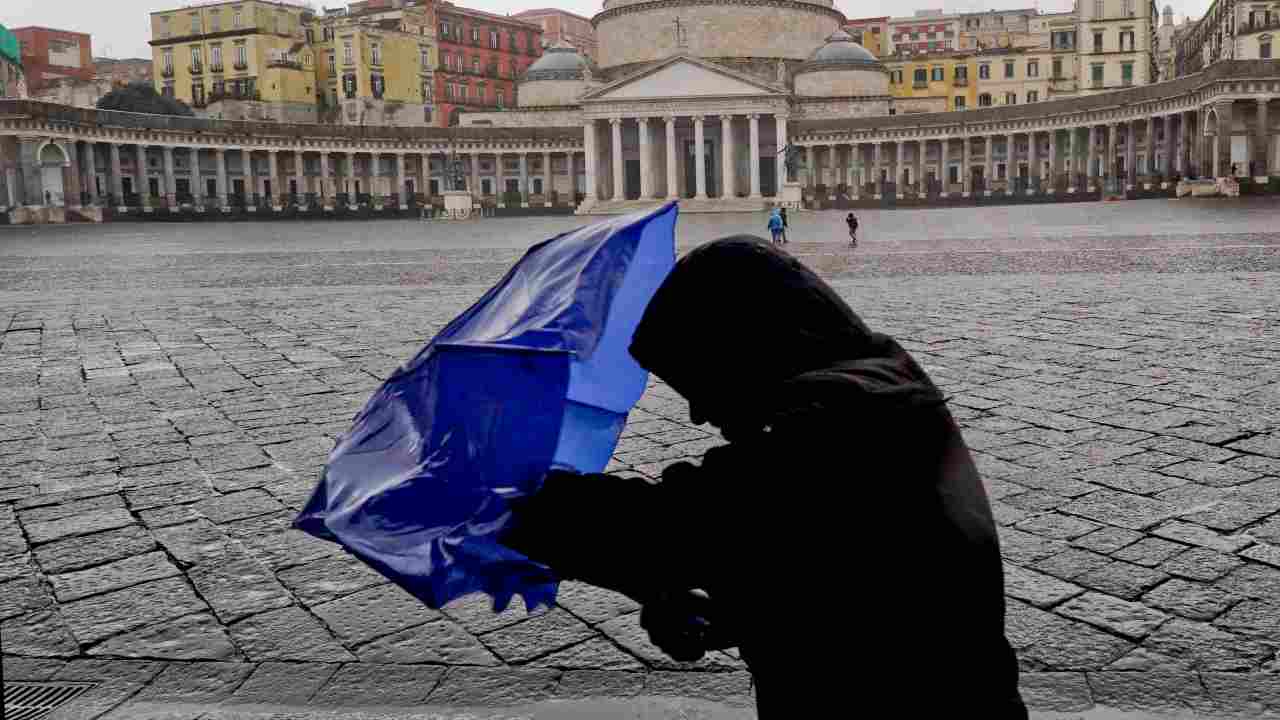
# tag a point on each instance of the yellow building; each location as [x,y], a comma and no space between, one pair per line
[945,78]
[257,59]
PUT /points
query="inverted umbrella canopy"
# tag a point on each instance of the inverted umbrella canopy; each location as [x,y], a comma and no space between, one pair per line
[535,376]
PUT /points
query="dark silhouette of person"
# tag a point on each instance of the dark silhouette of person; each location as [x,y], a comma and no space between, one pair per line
[841,539]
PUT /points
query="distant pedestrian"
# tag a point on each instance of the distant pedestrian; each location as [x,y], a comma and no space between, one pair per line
[852,221]
[783,212]
[775,226]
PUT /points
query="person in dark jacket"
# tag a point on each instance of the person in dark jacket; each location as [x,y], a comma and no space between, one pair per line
[841,539]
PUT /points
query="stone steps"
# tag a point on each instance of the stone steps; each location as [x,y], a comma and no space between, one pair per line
[687,205]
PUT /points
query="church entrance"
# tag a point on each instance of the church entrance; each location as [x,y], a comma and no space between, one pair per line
[691,170]
[631,187]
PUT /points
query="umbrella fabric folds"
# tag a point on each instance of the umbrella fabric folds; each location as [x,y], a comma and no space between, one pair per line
[536,375]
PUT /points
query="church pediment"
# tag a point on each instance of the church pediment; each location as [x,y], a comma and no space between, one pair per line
[682,77]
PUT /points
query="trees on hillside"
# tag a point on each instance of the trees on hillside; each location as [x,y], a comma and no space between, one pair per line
[141,97]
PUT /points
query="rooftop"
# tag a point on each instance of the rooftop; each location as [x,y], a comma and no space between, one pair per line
[448,7]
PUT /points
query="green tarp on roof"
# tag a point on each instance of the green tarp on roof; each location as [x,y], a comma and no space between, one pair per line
[9,46]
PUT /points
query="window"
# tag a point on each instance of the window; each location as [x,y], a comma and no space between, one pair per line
[164,27]
[427,92]
[1097,42]
[896,77]
[1033,96]
[444,29]
[346,53]
[1033,68]
[235,18]
[377,85]
[426,118]
[167,59]
[195,59]
[1008,69]
[960,102]
[984,72]
[333,63]
[1126,40]
[197,93]
[475,65]
[1126,74]
[1264,48]
[195,23]
[984,100]
[424,56]
[962,72]
[215,58]
[1011,98]
[939,74]
[349,85]
[1099,9]
[311,36]
[1127,7]
[275,24]
[921,77]
[475,35]
[375,53]
[1057,68]
[493,39]
[1096,74]
[500,98]
[215,21]
[242,57]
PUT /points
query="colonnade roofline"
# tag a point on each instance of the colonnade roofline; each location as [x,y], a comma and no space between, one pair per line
[1225,80]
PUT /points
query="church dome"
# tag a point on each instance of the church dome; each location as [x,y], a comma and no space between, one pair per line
[561,61]
[840,49]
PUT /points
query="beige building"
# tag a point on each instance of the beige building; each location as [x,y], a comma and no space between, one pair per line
[1117,44]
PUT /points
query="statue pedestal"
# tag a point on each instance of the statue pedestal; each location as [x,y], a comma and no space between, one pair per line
[791,197]
[457,204]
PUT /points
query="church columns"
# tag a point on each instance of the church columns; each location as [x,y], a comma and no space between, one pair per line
[646,184]
[1262,142]
[673,190]
[728,169]
[589,150]
[811,166]
[1033,163]
[615,126]
[548,182]
[966,174]
[780,124]
[753,121]
[699,158]
[898,180]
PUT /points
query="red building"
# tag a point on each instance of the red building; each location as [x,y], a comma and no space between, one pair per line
[50,55]
[560,25]
[482,55]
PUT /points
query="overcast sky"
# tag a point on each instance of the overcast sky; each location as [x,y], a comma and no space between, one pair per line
[120,28]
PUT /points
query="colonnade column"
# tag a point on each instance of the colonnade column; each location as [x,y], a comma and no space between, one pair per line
[170,182]
[401,191]
[699,159]
[728,168]
[1170,147]
[811,170]
[673,187]
[1151,165]
[548,180]
[921,147]
[477,192]
[989,174]
[900,163]
[1091,159]
[615,126]
[780,124]
[753,122]
[524,179]
[348,185]
[646,161]
[1113,149]
[140,176]
[1225,121]
[1131,155]
[116,181]
[91,173]
[1262,149]
[273,174]
[220,160]
[1053,162]
[500,179]
[324,180]
[1010,164]
[966,172]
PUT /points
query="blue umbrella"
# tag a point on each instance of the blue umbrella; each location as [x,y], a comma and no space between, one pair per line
[535,376]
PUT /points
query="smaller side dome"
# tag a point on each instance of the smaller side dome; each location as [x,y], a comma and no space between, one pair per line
[840,49]
[561,61]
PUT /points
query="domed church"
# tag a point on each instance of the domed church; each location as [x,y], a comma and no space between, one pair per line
[691,98]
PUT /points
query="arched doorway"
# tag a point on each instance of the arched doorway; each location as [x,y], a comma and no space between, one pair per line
[52,159]
[1209,161]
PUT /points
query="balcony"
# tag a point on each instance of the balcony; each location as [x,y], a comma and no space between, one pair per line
[285,64]
[1252,27]
[920,85]
[166,72]
[961,82]
[241,66]
[195,69]
[215,68]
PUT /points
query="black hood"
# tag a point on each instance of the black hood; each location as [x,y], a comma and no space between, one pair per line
[747,333]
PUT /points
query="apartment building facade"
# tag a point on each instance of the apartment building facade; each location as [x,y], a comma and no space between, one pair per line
[482,56]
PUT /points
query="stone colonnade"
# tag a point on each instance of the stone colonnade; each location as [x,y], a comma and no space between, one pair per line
[648,157]
[1116,155]
[148,175]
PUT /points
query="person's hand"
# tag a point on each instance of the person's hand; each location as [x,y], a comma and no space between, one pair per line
[679,624]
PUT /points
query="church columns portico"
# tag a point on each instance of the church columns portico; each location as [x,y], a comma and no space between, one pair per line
[646,159]
[728,170]
[699,158]
[753,124]
[673,190]
[615,128]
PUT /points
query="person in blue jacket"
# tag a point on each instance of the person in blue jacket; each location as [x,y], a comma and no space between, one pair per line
[841,539]
[776,226]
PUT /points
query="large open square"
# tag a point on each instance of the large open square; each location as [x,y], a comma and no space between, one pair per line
[169,392]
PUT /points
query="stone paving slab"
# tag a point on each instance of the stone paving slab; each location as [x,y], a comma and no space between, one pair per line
[155,444]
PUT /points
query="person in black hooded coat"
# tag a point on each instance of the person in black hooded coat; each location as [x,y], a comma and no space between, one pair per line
[842,536]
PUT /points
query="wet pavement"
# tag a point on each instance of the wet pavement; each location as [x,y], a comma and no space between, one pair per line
[168,393]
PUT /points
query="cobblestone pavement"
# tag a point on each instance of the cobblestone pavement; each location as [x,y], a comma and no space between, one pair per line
[167,399]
